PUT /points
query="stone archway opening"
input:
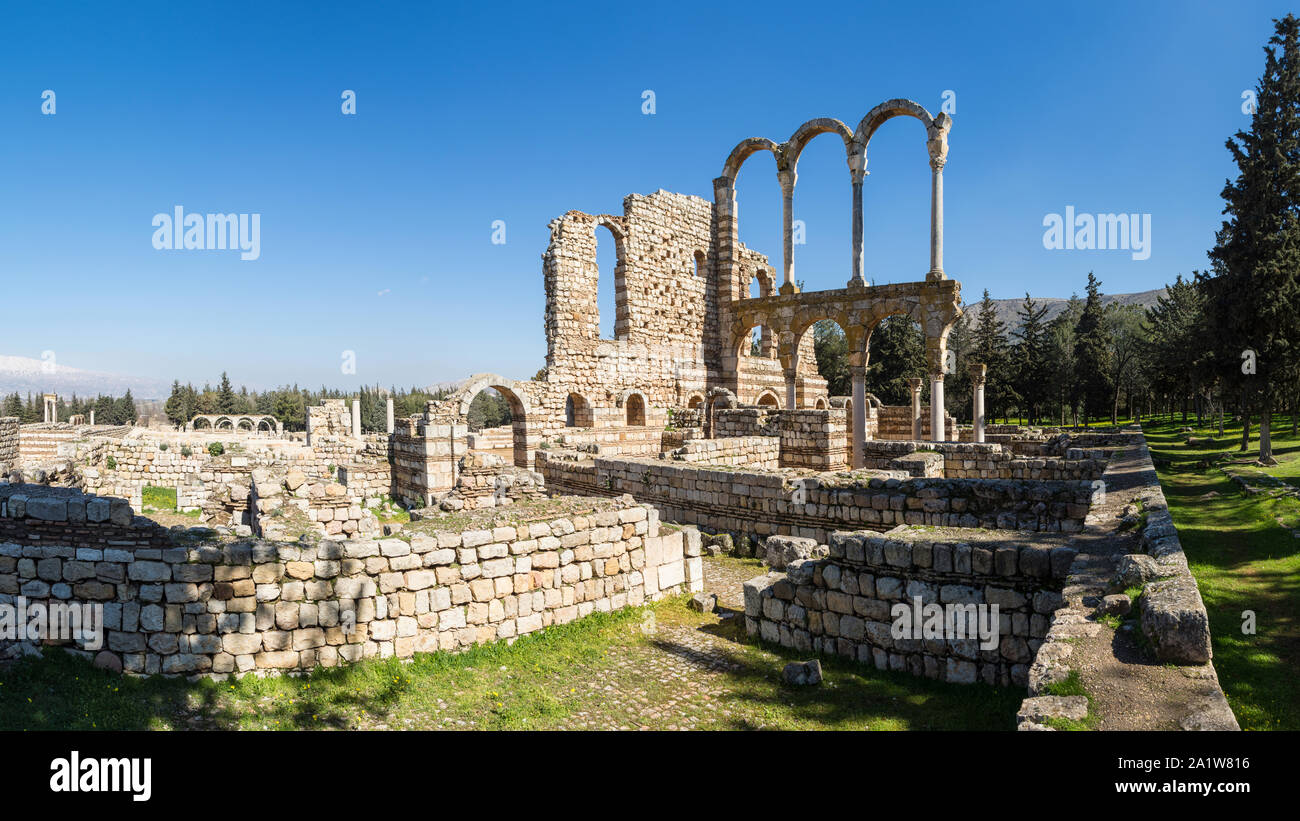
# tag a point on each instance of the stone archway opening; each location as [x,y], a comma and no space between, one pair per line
[578,412]
[492,410]
[635,407]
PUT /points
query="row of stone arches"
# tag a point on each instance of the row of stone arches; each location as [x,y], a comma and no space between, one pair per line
[578,411]
[855,142]
[235,422]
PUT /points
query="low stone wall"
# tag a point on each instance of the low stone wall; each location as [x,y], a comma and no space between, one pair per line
[45,442]
[674,439]
[730,423]
[687,418]
[761,504]
[987,460]
[197,607]
[487,481]
[814,439]
[616,441]
[754,452]
[425,457]
[1172,614]
[895,422]
[286,506]
[843,604]
[8,441]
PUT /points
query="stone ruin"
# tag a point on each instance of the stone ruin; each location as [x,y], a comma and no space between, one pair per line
[705,409]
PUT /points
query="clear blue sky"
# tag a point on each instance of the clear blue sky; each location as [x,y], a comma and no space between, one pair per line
[376,228]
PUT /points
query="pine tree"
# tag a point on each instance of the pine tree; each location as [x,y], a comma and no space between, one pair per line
[832,351]
[897,354]
[1253,301]
[1031,361]
[1092,349]
[226,401]
[989,345]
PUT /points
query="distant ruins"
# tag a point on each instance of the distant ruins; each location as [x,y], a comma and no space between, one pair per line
[689,416]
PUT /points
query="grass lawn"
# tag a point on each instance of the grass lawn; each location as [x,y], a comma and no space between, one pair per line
[1244,556]
[158,498]
[603,671]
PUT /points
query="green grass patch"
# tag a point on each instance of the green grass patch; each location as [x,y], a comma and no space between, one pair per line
[606,670]
[158,498]
[1244,556]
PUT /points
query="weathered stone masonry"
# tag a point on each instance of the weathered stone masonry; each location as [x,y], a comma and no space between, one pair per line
[177,605]
[841,605]
[747,501]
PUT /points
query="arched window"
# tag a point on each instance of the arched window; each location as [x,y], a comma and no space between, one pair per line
[611,297]
[635,411]
[577,412]
[700,264]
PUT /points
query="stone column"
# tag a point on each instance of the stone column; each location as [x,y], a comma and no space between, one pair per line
[787,179]
[937,432]
[937,143]
[390,416]
[978,371]
[309,428]
[915,385]
[857,171]
[791,393]
[50,409]
[859,415]
[356,418]
[92,416]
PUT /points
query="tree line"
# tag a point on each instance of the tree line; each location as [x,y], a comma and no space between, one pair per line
[289,403]
[109,410]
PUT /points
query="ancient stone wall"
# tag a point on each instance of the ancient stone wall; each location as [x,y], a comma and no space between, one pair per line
[815,440]
[761,504]
[287,506]
[968,460]
[8,441]
[843,604]
[425,457]
[487,481]
[185,464]
[895,422]
[45,442]
[187,606]
[750,452]
[749,421]
[627,441]
[332,419]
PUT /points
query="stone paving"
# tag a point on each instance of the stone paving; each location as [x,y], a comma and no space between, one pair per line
[679,680]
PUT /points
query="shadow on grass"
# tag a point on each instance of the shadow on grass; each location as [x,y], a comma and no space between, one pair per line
[1243,560]
[852,695]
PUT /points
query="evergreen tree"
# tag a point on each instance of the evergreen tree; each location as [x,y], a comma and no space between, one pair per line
[226,401]
[957,385]
[124,408]
[989,346]
[1092,350]
[1253,301]
[1060,356]
[1031,358]
[897,354]
[832,351]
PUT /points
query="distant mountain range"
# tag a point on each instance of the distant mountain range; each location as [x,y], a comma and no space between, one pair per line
[26,375]
[1006,309]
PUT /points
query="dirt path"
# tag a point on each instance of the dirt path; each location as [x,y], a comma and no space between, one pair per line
[1129,688]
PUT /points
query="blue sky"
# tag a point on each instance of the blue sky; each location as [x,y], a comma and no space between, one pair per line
[376,228]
